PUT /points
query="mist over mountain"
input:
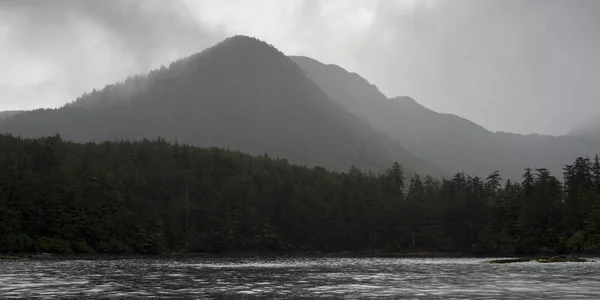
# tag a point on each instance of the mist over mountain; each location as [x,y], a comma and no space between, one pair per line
[241,94]
[447,140]
[9,113]
[590,128]
[235,149]
[246,95]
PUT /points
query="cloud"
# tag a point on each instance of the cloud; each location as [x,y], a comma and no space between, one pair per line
[511,65]
[62,48]
[524,66]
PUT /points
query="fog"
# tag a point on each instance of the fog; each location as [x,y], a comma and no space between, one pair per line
[516,66]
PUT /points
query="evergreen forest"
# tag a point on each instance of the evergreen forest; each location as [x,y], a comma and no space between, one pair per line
[156,197]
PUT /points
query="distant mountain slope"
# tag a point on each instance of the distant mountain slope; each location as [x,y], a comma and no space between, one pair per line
[452,142]
[9,113]
[243,94]
[590,128]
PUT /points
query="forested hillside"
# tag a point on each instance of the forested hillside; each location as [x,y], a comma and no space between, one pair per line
[449,141]
[241,94]
[157,197]
[8,113]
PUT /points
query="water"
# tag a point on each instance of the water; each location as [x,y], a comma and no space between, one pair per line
[284,278]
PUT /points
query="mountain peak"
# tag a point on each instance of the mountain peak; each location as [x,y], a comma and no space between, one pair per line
[245,42]
[242,40]
[242,94]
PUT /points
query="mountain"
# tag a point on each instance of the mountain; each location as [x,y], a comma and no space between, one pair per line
[449,141]
[241,94]
[9,113]
[590,128]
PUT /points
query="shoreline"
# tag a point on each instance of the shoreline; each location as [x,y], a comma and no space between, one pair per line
[104,256]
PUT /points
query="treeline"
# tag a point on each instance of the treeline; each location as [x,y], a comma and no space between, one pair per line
[157,197]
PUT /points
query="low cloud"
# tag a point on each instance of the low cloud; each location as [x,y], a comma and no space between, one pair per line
[56,50]
[511,65]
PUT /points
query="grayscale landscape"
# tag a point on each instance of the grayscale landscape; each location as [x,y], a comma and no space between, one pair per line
[302,149]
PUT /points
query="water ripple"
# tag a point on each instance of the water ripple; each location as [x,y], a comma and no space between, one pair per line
[353,278]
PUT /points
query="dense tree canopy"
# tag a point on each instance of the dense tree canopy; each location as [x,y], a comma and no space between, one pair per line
[157,197]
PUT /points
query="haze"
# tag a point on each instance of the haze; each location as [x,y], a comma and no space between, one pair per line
[516,66]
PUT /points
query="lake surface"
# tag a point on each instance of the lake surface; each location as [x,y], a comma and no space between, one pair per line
[287,278]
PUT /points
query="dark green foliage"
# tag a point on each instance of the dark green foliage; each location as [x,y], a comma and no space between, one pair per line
[157,197]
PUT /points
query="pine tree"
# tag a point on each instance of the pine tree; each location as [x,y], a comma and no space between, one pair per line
[395,181]
[415,206]
[596,173]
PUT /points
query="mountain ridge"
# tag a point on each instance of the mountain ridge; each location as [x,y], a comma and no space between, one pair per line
[452,142]
[242,94]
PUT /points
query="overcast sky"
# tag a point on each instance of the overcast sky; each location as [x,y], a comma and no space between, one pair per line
[510,65]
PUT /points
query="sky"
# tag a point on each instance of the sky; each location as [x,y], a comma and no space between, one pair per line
[524,66]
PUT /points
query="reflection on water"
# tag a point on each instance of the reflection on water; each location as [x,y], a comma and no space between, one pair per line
[297,278]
